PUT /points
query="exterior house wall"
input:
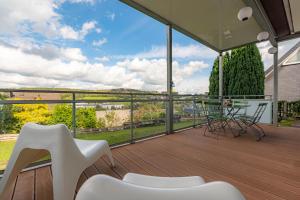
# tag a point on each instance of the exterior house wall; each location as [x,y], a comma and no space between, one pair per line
[288,83]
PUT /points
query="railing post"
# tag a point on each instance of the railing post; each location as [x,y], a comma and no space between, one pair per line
[131,120]
[74,114]
[169,81]
[194,112]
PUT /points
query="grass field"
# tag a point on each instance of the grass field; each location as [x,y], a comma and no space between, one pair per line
[114,137]
[5,151]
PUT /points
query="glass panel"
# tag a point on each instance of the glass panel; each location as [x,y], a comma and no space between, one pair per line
[149,118]
[294,59]
[107,118]
[183,114]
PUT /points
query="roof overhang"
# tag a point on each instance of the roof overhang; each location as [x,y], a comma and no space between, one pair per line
[214,23]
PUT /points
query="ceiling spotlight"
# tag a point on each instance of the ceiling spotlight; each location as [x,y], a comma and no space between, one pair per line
[245,13]
[272,50]
[263,36]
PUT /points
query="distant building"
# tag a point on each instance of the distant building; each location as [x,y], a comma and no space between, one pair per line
[288,76]
[111,106]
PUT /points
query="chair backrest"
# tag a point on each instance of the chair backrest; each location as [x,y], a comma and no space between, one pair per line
[213,107]
[242,104]
[259,112]
[33,143]
[103,187]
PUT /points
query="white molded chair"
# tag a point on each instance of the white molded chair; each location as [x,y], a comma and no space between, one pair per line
[69,156]
[103,187]
[163,182]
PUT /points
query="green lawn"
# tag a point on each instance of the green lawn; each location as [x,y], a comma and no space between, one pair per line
[287,122]
[116,137]
[112,138]
[5,151]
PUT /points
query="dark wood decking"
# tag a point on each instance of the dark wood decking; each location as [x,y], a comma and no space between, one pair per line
[269,169]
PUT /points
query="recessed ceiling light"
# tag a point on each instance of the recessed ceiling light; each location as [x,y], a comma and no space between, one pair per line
[245,13]
[263,36]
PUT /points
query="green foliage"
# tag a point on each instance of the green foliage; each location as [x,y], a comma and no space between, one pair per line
[147,111]
[214,79]
[101,123]
[111,118]
[8,121]
[24,113]
[62,114]
[85,117]
[243,73]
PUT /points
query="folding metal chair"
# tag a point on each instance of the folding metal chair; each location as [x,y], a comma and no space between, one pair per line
[252,121]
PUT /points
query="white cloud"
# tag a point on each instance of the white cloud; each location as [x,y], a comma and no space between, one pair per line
[67,32]
[71,69]
[100,42]
[102,59]
[83,1]
[73,54]
[14,13]
[111,16]
[40,16]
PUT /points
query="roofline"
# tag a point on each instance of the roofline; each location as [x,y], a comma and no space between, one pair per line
[282,58]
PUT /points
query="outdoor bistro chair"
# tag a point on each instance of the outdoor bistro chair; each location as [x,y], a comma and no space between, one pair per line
[137,187]
[215,118]
[252,121]
[69,156]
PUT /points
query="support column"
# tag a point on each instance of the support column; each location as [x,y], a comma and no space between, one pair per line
[169,81]
[220,77]
[275,87]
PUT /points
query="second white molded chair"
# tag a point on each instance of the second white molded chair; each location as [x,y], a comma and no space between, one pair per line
[163,182]
[70,157]
[103,187]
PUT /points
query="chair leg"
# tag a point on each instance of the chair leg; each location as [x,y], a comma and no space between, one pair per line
[258,134]
[65,180]
[110,157]
[205,130]
[107,152]
[261,129]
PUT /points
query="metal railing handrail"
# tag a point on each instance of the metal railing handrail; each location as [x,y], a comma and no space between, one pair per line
[81,92]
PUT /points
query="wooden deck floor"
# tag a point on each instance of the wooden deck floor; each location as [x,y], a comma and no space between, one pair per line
[269,169]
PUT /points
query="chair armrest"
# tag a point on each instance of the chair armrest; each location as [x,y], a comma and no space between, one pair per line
[163,182]
[103,187]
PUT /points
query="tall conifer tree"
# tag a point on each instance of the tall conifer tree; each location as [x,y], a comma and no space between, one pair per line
[243,73]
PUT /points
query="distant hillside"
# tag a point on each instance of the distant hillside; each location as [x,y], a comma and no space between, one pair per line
[58,96]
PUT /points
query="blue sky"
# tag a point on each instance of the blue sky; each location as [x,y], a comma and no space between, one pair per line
[96,44]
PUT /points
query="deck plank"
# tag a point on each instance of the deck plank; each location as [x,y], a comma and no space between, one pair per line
[43,184]
[10,192]
[261,170]
[25,186]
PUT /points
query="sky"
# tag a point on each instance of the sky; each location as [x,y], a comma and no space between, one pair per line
[98,44]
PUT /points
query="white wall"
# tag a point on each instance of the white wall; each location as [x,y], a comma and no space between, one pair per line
[267,115]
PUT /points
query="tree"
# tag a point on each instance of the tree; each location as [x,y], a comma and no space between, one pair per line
[85,117]
[147,111]
[62,114]
[243,73]
[246,73]
[101,123]
[8,121]
[111,118]
[37,113]
[214,79]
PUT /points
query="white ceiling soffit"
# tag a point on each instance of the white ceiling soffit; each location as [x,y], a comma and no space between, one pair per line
[295,5]
[212,22]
